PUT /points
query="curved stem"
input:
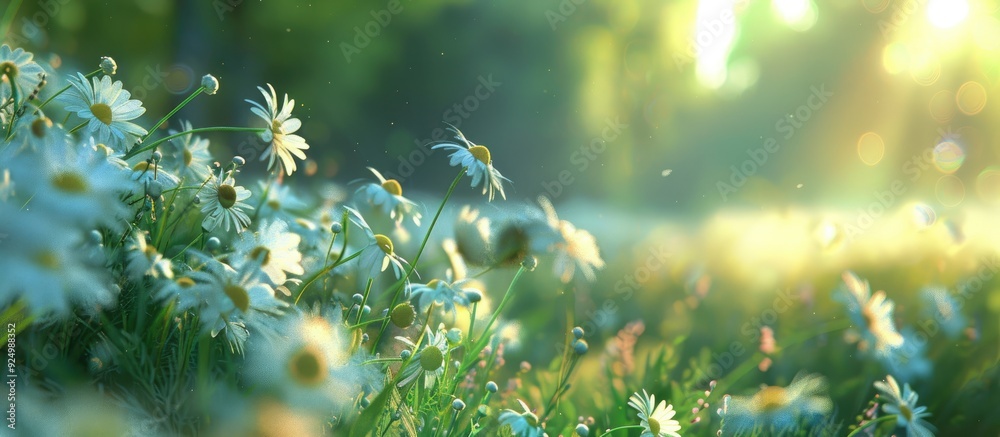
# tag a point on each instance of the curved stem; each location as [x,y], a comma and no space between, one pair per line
[171,113]
[139,148]
[398,286]
[872,423]
[323,271]
[620,428]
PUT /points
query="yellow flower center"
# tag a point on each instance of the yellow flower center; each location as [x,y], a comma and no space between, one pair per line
[433,283]
[384,243]
[770,398]
[276,128]
[227,196]
[393,187]
[906,412]
[262,254]
[47,260]
[307,366]
[185,282]
[69,182]
[431,359]
[39,126]
[654,426]
[481,153]
[188,157]
[274,204]
[144,166]
[9,69]
[101,112]
[239,296]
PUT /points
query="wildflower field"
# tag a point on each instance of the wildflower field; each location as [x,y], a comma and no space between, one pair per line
[698,218]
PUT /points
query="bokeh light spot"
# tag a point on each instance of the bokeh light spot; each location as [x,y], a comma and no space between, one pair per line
[950,191]
[924,216]
[988,185]
[946,14]
[925,68]
[948,157]
[895,58]
[871,148]
[971,98]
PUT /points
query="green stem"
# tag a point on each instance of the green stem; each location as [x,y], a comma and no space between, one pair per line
[398,286]
[8,18]
[78,127]
[872,423]
[621,428]
[503,303]
[171,114]
[323,271]
[139,148]
[63,89]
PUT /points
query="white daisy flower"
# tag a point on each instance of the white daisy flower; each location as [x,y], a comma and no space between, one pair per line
[438,292]
[428,361]
[147,172]
[273,249]
[656,420]
[387,195]
[234,299]
[34,132]
[524,423]
[378,254]
[107,109]
[308,364]
[873,314]
[477,162]
[184,291]
[188,155]
[280,129]
[222,203]
[18,64]
[909,360]
[281,202]
[143,260]
[45,262]
[903,403]
[944,309]
[781,408]
[577,250]
[76,182]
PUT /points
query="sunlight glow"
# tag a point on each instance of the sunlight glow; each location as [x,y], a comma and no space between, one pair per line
[714,36]
[800,15]
[946,14]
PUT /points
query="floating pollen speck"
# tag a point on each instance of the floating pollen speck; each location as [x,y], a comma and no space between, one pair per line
[666,172]
[799,186]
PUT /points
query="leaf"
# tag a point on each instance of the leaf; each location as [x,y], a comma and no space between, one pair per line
[368,420]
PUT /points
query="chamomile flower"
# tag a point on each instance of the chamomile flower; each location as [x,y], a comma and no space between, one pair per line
[908,361]
[379,252]
[77,182]
[187,156]
[234,299]
[18,64]
[307,363]
[477,162]
[281,202]
[524,423]
[148,172]
[41,261]
[903,403]
[222,203]
[782,408]
[428,361]
[107,109]
[657,420]
[438,292]
[144,260]
[34,132]
[577,250]
[387,196]
[280,131]
[273,249]
[873,315]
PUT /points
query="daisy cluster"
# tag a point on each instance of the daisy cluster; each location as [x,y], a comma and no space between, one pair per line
[185,286]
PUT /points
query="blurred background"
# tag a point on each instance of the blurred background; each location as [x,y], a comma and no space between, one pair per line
[689,89]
